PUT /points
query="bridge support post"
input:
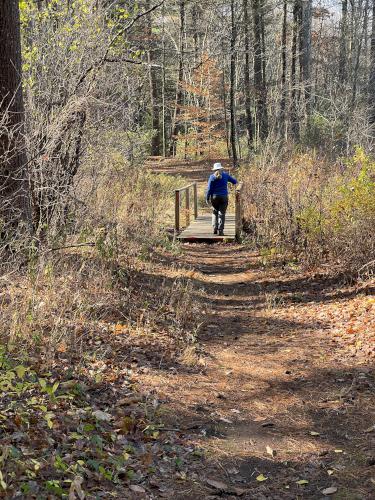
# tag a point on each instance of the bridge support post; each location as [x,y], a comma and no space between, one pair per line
[187,206]
[238,214]
[177,211]
[195,191]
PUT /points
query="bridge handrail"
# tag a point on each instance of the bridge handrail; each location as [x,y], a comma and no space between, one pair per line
[186,191]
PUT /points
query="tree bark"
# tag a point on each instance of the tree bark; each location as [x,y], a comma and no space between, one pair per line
[372,70]
[284,90]
[293,72]
[343,43]
[249,119]
[14,191]
[179,90]
[154,90]
[233,85]
[305,54]
[259,73]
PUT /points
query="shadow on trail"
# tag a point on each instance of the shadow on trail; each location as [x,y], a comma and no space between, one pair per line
[328,403]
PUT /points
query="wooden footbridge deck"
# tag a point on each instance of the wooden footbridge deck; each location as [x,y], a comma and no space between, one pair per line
[198,227]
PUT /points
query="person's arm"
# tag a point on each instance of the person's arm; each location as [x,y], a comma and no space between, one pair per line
[232,179]
[209,186]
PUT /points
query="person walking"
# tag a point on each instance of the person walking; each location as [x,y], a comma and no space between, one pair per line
[217,193]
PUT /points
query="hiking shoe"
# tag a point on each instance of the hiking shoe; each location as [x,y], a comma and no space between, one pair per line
[215,230]
[221,233]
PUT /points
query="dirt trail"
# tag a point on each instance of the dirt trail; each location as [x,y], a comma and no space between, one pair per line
[271,392]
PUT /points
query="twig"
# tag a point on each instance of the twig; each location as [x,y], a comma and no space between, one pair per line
[102,60]
[87,244]
[371,263]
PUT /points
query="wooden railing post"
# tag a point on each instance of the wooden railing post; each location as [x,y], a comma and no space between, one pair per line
[177,211]
[178,194]
[195,192]
[187,205]
[238,211]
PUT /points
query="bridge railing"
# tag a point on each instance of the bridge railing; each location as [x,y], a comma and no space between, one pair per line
[181,194]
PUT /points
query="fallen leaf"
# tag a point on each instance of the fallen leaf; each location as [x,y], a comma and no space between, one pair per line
[270,451]
[219,485]
[338,451]
[370,429]
[76,488]
[302,481]
[261,478]
[330,472]
[239,491]
[128,425]
[329,491]
[102,415]
[137,489]
[68,384]
[226,420]
[314,433]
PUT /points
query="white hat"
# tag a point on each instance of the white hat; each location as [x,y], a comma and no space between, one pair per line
[217,166]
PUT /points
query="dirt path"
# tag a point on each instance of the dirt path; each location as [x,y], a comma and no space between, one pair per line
[278,398]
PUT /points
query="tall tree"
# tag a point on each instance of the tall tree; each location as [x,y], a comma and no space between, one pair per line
[179,84]
[232,89]
[305,48]
[259,73]
[14,193]
[154,87]
[284,90]
[293,71]
[371,92]
[343,56]
[249,120]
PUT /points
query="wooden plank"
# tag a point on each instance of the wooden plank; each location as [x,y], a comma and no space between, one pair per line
[201,229]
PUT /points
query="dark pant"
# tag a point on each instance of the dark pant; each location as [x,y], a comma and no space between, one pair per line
[219,204]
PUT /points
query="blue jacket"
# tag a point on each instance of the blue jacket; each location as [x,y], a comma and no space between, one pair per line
[219,186]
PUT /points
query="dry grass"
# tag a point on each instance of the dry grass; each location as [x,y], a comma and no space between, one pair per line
[64,299]
[314,208]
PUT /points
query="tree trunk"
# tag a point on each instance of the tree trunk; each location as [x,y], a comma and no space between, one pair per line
[305,54]
[293,72]
[249,120]
[179,90]
[343,57]
[372,70]
[233,85]
[154,90]
[259,82]
[360,39]
[284,90]
[14,191]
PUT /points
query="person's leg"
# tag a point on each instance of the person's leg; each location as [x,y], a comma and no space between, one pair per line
[215,213]
[222,210]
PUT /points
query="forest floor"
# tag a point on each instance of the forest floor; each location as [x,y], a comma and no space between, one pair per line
[273,398]
[279,392]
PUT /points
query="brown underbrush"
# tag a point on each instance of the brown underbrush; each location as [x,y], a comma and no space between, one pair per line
[316,210]
[97,277]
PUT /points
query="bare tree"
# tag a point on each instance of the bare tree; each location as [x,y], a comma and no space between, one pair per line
[247,89]
[232,89]
[14,192]
[259,70]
